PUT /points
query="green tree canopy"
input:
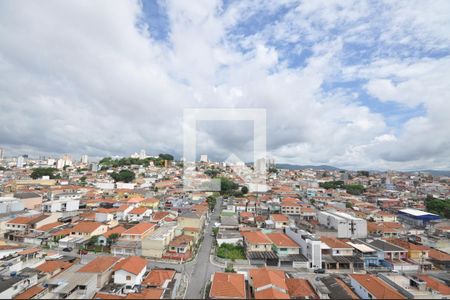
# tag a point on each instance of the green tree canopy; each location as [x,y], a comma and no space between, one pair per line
[244,190]
[353,189]
[123,175]
[165,156]
[438,206]
[227,186]
[39,172]
[212,172]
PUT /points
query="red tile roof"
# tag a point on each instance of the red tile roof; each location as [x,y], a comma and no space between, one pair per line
[31,292]
[377,287]
[100,264]
[159,215]
[131,264]
[228,286]
[263,276]
[271,293]
[51,266]
[118,230]
[139,210]
[279,218]
[181,240]
[299,288]
[86,227]
[282,240]
[148,293]
[335,243]
[157,277]
[438,255]
[436,285]
[140,228]
[50,226]
[256,237]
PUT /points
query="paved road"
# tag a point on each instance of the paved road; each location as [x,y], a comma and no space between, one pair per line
[201,269]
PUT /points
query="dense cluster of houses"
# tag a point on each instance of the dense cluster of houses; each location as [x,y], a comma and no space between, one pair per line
[85,236]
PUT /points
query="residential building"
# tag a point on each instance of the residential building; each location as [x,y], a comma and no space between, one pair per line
[156,243]
[291,206]
[310,246]
[61,205]
[258,248]
[280,221]
[344,224]
[138,232]
[159,278]
[227,286]
[371,287]
[88,229]
[299,288]
[268,284]
[102,267]
[130,271]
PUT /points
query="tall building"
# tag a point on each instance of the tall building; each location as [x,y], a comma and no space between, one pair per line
[260,165]
[2,153]
[60,164]
[51,161]
[204,158]
[84,159]
[94,167]
[20,161]
[142,154]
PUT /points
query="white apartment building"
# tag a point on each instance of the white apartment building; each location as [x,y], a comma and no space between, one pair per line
[346,226]
[61,205]
[10,205]
[310,246]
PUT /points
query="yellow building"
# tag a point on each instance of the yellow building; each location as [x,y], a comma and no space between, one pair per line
[152,203]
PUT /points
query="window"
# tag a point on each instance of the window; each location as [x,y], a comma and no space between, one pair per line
[128,277]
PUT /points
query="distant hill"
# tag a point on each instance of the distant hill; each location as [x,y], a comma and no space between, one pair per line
[331,168]
[303,167]
[434,172]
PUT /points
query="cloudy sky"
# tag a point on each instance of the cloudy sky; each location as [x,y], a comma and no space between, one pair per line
[355,84]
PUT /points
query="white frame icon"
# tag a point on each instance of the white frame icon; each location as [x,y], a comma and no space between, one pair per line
[191,116]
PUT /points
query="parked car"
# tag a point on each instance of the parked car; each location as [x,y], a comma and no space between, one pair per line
[319,271]
[67,249]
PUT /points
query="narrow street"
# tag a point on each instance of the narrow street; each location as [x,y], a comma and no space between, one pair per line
[201,269]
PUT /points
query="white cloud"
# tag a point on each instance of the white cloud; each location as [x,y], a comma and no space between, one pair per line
[88,77]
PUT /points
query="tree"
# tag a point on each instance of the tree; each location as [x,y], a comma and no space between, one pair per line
[165,156]
[227,186]
[354,189]
[273,170]
[39,172]
[215,231]
[363,173]
[211,200]
[112,238]
[212,172]
[348,204]
[123,175]
[93,240]
[229,269]
[244,190]
[332,184]
[438,206]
